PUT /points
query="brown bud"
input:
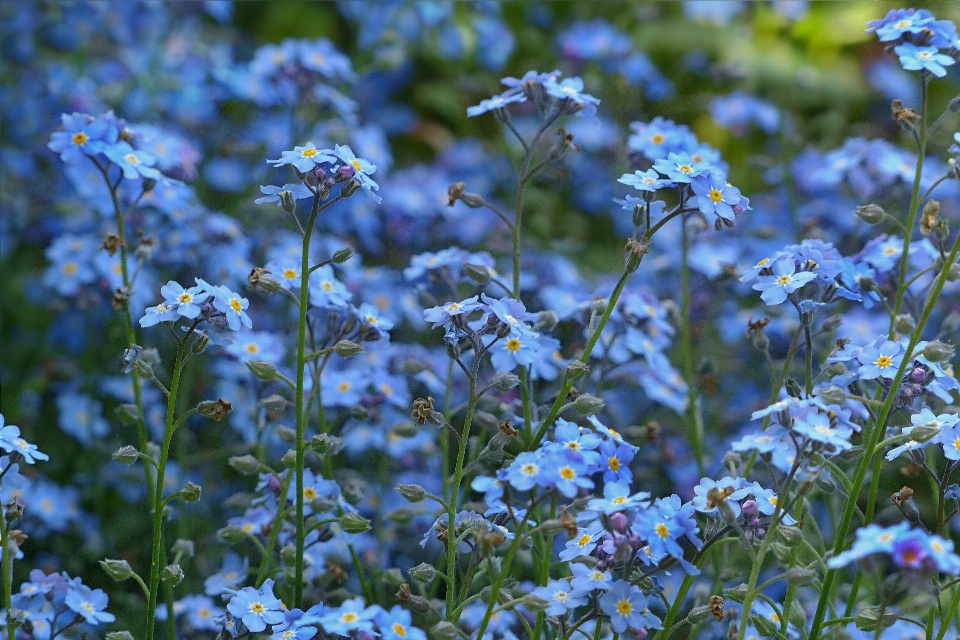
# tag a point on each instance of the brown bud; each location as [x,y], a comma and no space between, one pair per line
[422,409]
[929,217]
[507,429]
[111,243]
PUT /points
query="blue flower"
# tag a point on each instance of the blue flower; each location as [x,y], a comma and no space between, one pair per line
[715,196]
[680,167]
[514,350]
[914,58]
[561,596]
[617,497]
[82,135]
[583,543]
[570,89]
[784,281]
[648,180]
[350,616]
[185,301]
[233,307]
[256,607]
[817,427]
[396,624]
[91,604]
[305,158]
[362,169]
[272,193]
[566,471]
[326,291]
[133,163]
[494,103]
[446,315]
[883,360]
[589,578]
[524,472]
[627,608]
[11,441]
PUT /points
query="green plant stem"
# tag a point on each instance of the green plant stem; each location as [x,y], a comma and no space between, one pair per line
[504,570]
[914,204]
[694,425]
[545,569]
[301,417]
[6,567]
[158,492]
[871,441]
[266,565]
[948,620]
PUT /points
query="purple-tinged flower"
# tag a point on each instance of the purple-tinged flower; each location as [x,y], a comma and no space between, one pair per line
[256,607]
[914,58]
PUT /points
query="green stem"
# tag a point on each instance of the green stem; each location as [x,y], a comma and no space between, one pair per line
[6,567]
[686,346]
[914,205]
[948,620]
[871,441]
[267,563]
[158,491]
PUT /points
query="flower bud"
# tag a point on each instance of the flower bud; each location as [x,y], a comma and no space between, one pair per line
[928,218]
[349,188]
[353,522]
[870,618]
[791,535]
[200,344]
[505,381]
[925,432]
[765,626]
[793,388]
[287,201]
[289,459]
[128,413]
[172,574]
[832,394]
[477,272]
[262,369]
[126,455]
[342,255]
[443,630]
[215,409]
[183,548]
[619,521]
[547,321]
[119,635]
[801,576]
[347,349]
[737,594]
[412,492]
[871,213]
[244,465]
[832,324]
[423,572]
[117,569]
[535,603]
[588,404]
[699,614]
[750,508]
[324,443]
[231,534]
[904,324]
[576,370]
[937,351]
[191,492]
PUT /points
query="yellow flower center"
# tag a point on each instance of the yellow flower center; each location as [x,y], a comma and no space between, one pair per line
[344,386]
[763,262]
[256,607]
[349,617]
[624,607]
[252,347]
[584,540]
[309,153]
[453,306]
[356,165]
[782,280]
[399,629]
[662,530]
[685,168]
[884,361]
[185,298]
[513,345]
[529,469]
[657,138]
[309,493]
[614,463]
[619,500]
[567,473]
[70,268]
[132,159]
[80,138]
[289,274]
[327,286]
[235,305]
[716,195]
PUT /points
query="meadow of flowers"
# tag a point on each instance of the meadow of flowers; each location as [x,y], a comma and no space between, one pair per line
[476,320]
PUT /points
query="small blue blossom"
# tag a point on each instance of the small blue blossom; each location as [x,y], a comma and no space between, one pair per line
[914,58]
[648,180]
[233,307]
[256,607]
[561,596]
[494,103]
[186,301]
[680,167]
[784,281]
[350,616]
[133,163]
[715,196]
[91,604]
[362,168]
[272,193]
[305,158]
[11,441]
[82,136]
[628,608]
[880,360]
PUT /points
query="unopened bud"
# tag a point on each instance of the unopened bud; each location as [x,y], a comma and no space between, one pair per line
[477,272]
[324,444]
[928,218]
[183,547]
[443,630]
[423,572]
[287,201]
[472,200]
[832,394]
[738,593]
[341,256]
[801,576]
[349,188]
[576,370]
[871,618]
[547,321]
[126,455]
[904,324]
[231,534]
[128,413]
[191,492]
[117,569]
[289,554]
[535,603]
[353,522]
[765,626]
[262,369]
[347,349]
[505,381]
[172,574]
[289,459]
[119,635]
[588,404]
[699,614]
[937,351]
[244,465]
[275,404]
[871,213]
[832,324]
[412,492]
